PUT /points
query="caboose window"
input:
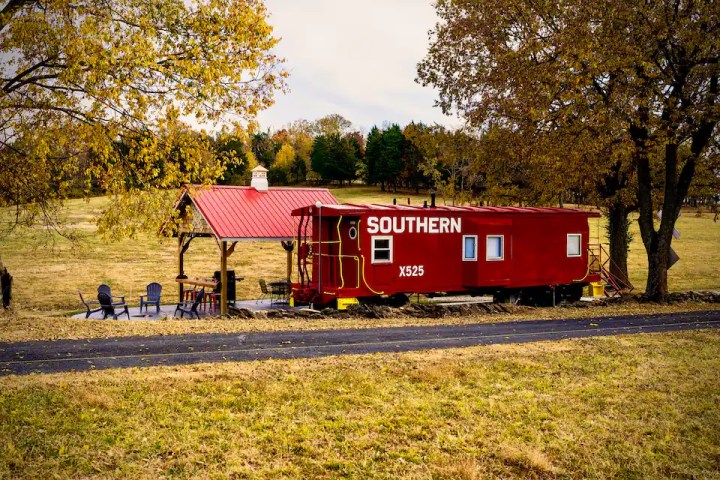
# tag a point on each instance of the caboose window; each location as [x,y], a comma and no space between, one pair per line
[382,249]
[495,248]
[574,241]
[469,248]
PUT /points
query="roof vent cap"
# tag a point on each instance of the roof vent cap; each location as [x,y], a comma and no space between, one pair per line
[259,178]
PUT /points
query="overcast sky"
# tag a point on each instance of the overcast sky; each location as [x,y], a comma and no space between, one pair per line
[354,58]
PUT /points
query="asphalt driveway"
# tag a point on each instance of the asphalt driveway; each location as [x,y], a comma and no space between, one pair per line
[77,355]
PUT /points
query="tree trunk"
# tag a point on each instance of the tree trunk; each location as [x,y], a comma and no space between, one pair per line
[658,259]
[657,243]
[619,238]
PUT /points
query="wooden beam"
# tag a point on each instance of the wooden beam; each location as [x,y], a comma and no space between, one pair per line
[223,278]
[231,250]
[182,248]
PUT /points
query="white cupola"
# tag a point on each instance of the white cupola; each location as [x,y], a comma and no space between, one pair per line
[259,178]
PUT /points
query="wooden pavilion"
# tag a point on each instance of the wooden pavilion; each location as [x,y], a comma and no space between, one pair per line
[233,214]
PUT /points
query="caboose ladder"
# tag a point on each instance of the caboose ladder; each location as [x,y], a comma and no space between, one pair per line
[600,263]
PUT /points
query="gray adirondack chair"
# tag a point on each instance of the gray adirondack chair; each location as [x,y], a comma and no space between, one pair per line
[190,307]
[110,308]
[91,305]
[104,288]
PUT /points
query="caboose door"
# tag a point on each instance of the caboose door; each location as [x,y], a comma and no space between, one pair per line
[487,254]
[348,254]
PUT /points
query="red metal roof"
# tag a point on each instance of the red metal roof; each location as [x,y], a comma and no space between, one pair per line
[352,209]
[243,213]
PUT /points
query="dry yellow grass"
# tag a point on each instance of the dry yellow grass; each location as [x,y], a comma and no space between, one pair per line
[641,406]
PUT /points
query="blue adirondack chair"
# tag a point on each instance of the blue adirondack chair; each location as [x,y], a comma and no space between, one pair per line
[152,297]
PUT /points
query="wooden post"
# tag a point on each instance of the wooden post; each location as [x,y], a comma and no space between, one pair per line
[223,278]
[289,265]
[181,266]
[288,247]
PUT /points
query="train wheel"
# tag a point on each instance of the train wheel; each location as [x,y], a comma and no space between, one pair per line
[505,296]
[395,300]
[537,297]
[398,300]
[570,293]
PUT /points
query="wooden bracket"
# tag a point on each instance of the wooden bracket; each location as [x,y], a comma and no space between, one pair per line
[185,245]
[231,249]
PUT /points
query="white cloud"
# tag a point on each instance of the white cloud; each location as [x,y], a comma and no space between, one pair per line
[357,59]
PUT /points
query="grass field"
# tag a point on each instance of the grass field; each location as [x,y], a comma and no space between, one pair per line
[642,406]
[47,275]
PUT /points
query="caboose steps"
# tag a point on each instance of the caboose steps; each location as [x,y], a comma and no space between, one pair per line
[600,263]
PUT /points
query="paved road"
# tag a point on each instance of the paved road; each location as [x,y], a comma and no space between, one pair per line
[77,355]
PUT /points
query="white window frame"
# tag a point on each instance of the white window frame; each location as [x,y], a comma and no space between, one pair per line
[464,256]
[567,245]
[502,249]
[372,247]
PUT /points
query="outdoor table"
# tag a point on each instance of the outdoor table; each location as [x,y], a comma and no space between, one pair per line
[200,282]
[281,289]
[282,285]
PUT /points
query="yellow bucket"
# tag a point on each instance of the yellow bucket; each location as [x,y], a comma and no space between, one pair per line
[597,289]
[344,303]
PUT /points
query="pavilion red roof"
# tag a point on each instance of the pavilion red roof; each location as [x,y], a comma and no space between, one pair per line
[243,213]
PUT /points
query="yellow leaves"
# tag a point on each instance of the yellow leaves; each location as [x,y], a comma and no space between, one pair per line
[100,87]
[285,157]
[196,53]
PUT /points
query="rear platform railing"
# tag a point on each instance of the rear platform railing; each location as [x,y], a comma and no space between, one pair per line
[600,263]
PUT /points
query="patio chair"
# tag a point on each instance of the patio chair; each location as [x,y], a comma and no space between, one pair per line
[90,304]
[110,308]
[190,307]
[104,288]
[264,290]
[280,291]
[152,297]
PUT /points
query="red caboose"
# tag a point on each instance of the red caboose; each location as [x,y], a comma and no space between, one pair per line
[365,251]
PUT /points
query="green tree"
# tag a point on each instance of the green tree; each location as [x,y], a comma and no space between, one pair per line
[373,150]
[640,76]
[263,148]
[77,77]
[321,157]
[390,162]
[335,157]
[412,175]
[232,150]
